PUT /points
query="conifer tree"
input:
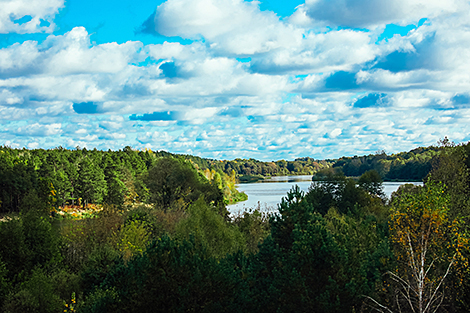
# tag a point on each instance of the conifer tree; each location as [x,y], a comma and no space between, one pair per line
[91,182]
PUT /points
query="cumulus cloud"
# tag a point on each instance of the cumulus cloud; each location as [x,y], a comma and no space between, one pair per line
[37,129]
[231,26]
[371,13]
[71,53]
[26,16]
[319,52]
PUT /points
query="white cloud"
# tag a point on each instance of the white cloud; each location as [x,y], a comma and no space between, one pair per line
[175,50]
[233,26]
[40,13]
[67,54]
[39,130]
[335,132]
[155,137]
[372,13]
[72,53]
[9,98]
[272,105]
[320,52]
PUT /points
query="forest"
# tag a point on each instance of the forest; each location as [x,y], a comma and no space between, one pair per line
[413,165]
[142,231]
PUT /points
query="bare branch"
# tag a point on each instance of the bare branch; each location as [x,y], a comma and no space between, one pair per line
[380,305]
[442,279]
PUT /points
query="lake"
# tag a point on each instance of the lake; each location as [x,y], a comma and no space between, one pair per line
[268,193]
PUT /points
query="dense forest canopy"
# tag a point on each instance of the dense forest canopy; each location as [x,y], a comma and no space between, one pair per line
[413,165]
[117,177]
[81,177]
[143,231]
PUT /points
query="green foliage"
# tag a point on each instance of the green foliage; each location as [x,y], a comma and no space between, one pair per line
[252,167]
[174,180]
[41,239]
[250,178]
[91,182]
[337,191]
[404,190]
[116,189]
[405,166]
[254,226]
[37,294]
[323,252]
[26,243]
[17,178]
[54,172]
[452,169]
[133,238]
[31,202]
[100,301]
[157,221]
[120,177]
[170,276]
[371,182]
[368,252]
[226,183]
[99,263]
[65,283]
[211,230]
[13,248]
[4,283]
[315,263]
[81,237]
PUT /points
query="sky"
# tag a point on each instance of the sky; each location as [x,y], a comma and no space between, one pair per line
[229,79]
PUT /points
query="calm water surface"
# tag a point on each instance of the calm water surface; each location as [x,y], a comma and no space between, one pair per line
[268,193]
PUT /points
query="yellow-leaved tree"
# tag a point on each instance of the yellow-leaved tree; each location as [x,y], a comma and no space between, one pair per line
[429,248]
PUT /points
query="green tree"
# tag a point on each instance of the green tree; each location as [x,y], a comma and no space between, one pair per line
[210,229]
[17,178]
[37,294]
[315,263]
[91,182]
[331,189]
[4,282]
[254,225]
[451,169]
[174,180]
[28,242]
[116,189]
[371,182]
[170,276]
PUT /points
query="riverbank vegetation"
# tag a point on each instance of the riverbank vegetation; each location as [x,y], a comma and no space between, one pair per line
[133,231]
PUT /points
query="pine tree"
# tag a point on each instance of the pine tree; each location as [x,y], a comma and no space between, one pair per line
[91,182]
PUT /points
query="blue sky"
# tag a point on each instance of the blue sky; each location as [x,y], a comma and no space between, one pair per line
[229,78]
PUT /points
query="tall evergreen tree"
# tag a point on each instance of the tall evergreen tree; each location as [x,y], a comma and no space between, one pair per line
[91,182]
[115,186]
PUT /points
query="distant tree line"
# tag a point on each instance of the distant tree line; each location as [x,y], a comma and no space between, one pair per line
[405,166]
[299,166]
